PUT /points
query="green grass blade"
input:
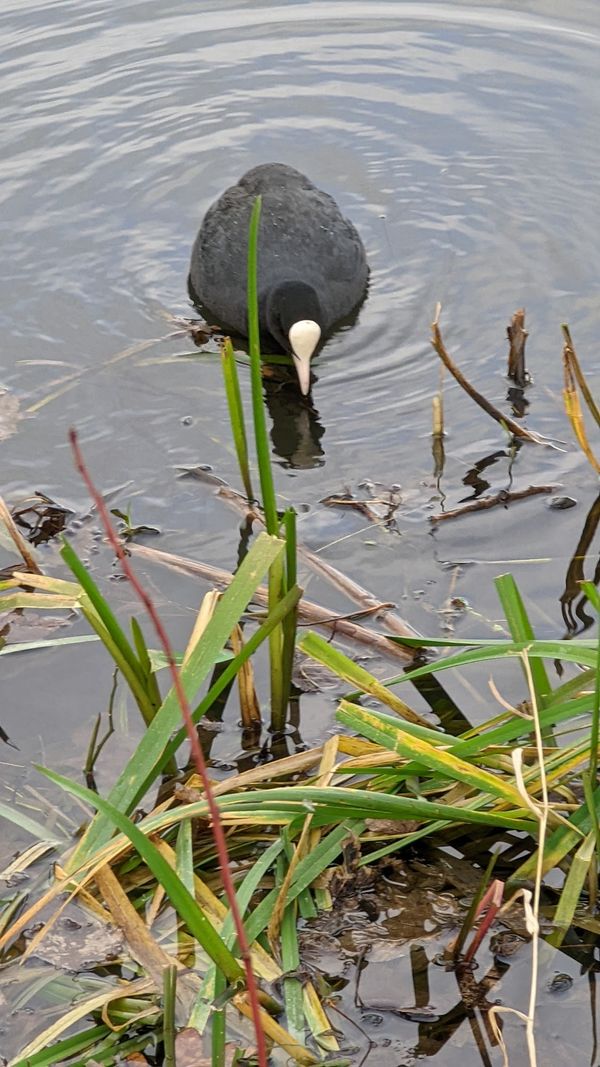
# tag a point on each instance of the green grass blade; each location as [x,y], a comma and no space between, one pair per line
[169,990]
[218,1019]
[290,622]
[152,750]
[51,642]
[25,822]
[258,409]
[434,736]
[230,671]
[594,598]
[146,663]
[102,619]
[236,414]
[181,899]
[276,652]
[571,891]
[317,648]
[308,869]
[342,803]
[581,652]
[101,606]
[434,759]
[474,744]
[522,630]
[267,487]
[184,855]
[64,1050]
[558,845]
[290,959]
[206,997]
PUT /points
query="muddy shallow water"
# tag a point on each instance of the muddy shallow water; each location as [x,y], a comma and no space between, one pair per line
[464,141]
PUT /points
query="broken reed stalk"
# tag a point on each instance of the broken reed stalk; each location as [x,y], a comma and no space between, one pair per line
[249,706]
[437,416]
[437,432]
[504,420]
[308,612]
[503,498]
[573,406]
[196,750]
[517,336]
[570,354]
[573,377]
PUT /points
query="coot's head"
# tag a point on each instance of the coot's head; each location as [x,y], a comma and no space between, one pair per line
[294,319]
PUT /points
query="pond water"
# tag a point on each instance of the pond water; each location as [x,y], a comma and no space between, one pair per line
[463,139]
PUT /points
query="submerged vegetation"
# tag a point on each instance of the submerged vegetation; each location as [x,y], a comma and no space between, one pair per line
[517,794]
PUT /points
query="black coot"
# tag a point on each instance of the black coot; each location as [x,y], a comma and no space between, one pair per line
[312,268]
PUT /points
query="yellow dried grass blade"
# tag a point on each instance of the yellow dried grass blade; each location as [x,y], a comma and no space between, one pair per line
[277,1034]
[305,842]
[316,1018]
[207,610]
[48,583]
[571,355]
[572,372]
[438,759]
[575,417]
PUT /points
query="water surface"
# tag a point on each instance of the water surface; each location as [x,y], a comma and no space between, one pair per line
[464,142]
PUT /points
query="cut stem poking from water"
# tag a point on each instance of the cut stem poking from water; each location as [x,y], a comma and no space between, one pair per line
[517,336]
[511,425]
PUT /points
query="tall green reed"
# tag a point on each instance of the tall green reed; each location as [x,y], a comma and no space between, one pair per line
[282,573]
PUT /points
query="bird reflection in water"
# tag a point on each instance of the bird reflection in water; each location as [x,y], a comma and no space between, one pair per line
[296,430]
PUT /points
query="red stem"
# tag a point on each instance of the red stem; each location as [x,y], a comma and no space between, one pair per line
[489,906]
[196,750]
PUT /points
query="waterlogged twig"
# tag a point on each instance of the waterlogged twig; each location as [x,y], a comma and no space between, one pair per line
[504,420]
[331,574]
[196,750]
[503,498]
[308,612]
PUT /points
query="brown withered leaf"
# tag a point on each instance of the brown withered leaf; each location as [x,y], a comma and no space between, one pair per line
[189,1050]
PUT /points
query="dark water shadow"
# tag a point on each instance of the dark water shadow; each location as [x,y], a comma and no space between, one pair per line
[296,431]
[573,599]
[474,479]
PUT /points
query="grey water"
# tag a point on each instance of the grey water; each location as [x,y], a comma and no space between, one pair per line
[463,139]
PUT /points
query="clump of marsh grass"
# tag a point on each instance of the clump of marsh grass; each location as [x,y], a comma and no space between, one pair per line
[395,778]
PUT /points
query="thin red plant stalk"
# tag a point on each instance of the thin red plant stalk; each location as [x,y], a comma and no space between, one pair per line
[489,906]
[196,750]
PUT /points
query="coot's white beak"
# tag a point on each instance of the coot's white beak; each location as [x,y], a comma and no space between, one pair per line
[304,337]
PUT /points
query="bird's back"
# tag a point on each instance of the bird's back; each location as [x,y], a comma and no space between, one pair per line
[303,237]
